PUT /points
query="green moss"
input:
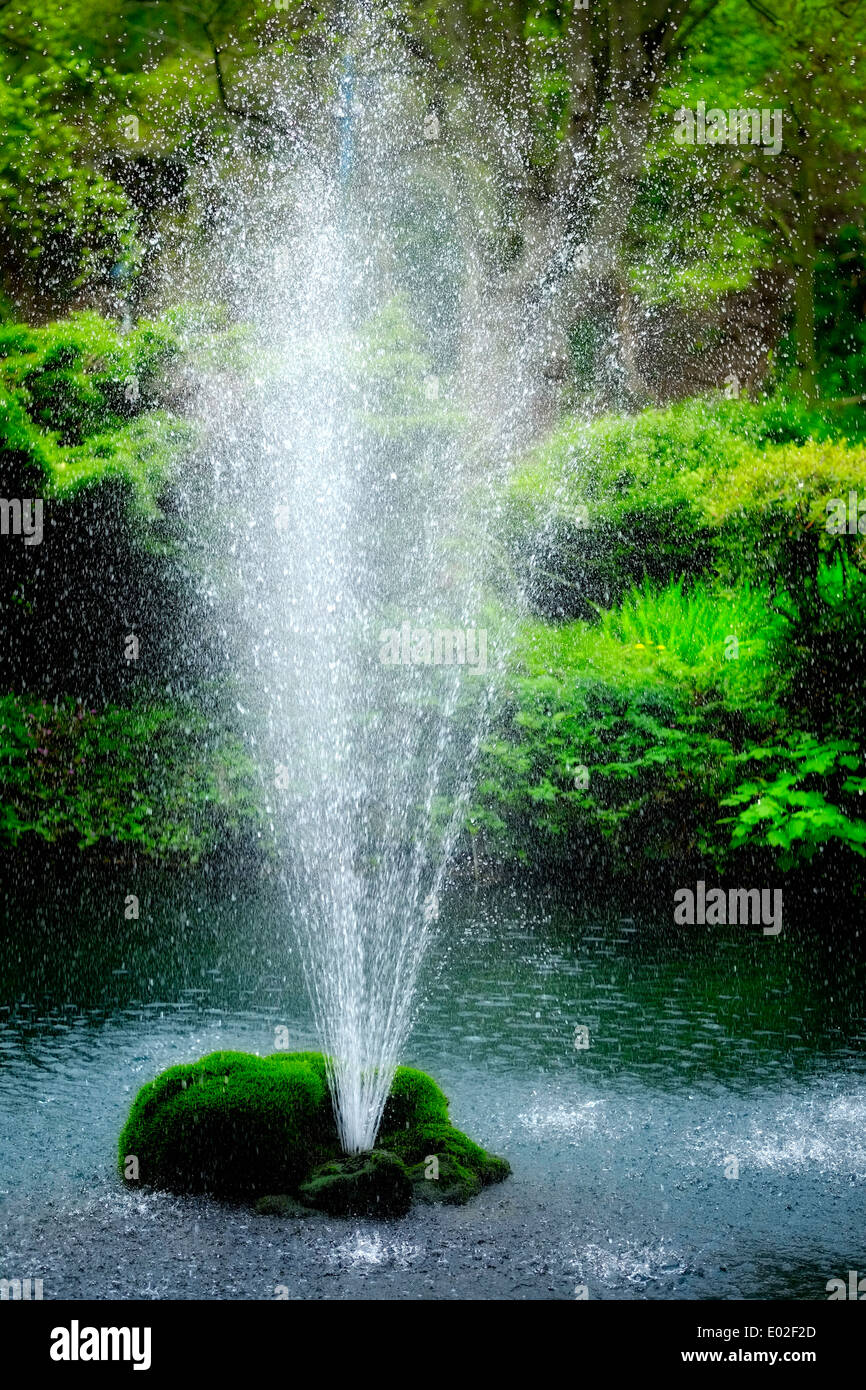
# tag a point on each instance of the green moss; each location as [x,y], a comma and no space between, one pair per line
[444,1180]
[231,1124]
[428,1132]
[282,1204]
[368,1184]
[235,1124]
[433,1137]
[414,1099]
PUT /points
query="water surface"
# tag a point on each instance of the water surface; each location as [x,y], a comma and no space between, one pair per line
[704,1046]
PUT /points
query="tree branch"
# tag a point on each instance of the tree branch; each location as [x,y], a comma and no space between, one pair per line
[677,47]
[242,113]
[759,9]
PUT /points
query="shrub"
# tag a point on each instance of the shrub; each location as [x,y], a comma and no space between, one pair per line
[159,779]
[699,487]
[784,805]
[67,416]
[646,706]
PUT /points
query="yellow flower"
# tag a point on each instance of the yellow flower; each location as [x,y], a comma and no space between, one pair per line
[640,645]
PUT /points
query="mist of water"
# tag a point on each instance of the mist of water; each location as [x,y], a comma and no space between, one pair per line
[361,463]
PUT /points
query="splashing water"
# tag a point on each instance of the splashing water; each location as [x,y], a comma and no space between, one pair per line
[369,646]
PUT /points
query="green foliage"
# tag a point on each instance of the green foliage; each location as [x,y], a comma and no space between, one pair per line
[691,238]
[840,294]
[794,481]
[604,503]
[708,219]
[823,660]
[74,405]
[617,461]
[63,223]
[611,729]
[161,781]
[692,453]
[779,418]
[143,454]
[705,485]
[672,636]
[685,525]
[242,1125]
[787,805]
[390,373]
[648,692]
[73,374]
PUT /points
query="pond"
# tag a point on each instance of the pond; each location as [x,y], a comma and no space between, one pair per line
[684,1109]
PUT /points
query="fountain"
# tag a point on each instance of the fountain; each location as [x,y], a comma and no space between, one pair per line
[366,663]
[379,262]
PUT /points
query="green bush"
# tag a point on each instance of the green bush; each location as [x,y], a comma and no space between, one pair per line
[718,619]
[709,485]
[784,805]
[161,780]
[76,402]
[628,738]
[796,480]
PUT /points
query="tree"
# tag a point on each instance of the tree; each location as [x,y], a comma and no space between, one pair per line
[573,89]
[821,81]
[555,109]
[804,59]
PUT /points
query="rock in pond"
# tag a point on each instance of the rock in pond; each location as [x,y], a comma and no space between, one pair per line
[366,1184]
[237,1125]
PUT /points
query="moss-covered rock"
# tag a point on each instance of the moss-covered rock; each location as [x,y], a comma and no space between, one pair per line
[235,1124]
[282,1204]
[416,1127]
[441,1178]
[366,1184]
[232,1124]
[414,1099]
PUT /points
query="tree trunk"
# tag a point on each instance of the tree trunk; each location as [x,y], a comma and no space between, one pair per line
[571,260]
[804,287]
